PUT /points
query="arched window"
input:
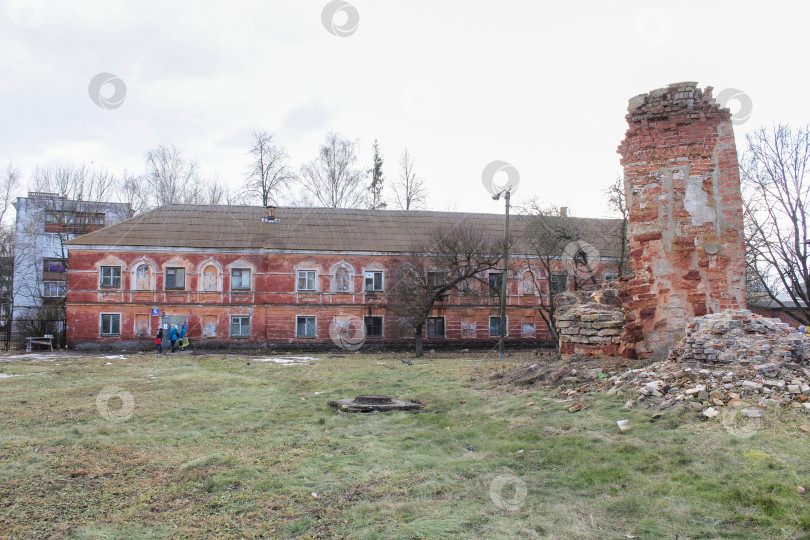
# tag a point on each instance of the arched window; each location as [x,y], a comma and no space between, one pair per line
[528,283]
[342,280]
[210,278]
[143,278]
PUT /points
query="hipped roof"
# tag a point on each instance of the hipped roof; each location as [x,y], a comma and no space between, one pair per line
[188,227]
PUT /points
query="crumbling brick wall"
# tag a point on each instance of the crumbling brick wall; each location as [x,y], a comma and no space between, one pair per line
[685,224]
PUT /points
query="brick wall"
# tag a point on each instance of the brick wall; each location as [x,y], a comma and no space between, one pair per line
[272,301]
[686,230]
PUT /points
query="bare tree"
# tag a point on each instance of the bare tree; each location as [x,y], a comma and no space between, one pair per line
[776,198]
[333,179]
[170,178]
[437,266]
[9,184]
[409,189]
[550,236]
[618,203]
[67,200]
[269,171]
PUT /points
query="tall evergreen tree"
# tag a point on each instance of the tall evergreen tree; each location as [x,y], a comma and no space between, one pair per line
[376,179]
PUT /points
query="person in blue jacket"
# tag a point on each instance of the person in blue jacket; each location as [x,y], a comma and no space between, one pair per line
[183,336]
[173,336]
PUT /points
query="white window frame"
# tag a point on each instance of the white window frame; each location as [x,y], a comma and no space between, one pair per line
[498,318]
[490,288]
[48,285]
[565,285]
[370,281]
[241,272]
[305,318]
[307,276]
[241,326]
[111,281]
[112,317]
[444,327]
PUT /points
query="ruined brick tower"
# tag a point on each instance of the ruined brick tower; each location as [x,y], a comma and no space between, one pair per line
[682,184]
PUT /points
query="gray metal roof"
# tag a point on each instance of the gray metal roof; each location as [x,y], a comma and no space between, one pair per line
[312,229]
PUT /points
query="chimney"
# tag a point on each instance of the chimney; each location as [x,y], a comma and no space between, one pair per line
[563,211]
[271,216]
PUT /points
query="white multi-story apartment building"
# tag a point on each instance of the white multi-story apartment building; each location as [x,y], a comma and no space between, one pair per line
[45,221]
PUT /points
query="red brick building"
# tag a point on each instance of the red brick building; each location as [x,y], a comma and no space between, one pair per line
[235,276]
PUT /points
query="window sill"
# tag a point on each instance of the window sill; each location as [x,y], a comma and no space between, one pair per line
[239,337]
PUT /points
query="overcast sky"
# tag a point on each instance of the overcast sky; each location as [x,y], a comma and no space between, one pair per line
[542,86]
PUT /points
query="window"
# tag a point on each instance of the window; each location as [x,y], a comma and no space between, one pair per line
[374,326]
[495,283]
[143,278]
[110,324]
[557,283]
[527,330]
[55,265]
[528,283]
[175,278]
[342,280]
[240,326]
[110,276]
[53,289]
[374,281]
[435,327]
[306,280]
[435,279]
[495,326]
[210,279]
[305,326]
[240,279]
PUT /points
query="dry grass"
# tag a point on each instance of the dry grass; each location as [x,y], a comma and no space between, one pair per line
[219,447]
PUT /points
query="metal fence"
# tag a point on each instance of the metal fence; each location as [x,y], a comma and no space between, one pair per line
[25,328]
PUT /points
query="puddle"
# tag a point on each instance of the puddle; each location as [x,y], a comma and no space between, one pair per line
[286,361]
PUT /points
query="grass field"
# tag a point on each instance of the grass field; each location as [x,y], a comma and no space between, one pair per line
[195,446]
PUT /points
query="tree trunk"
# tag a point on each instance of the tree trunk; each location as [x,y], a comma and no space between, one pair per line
[418,335]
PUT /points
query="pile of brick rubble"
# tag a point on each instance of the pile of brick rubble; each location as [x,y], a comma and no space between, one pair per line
[726,359]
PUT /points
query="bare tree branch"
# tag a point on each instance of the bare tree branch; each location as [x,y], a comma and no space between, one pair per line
[332,179]
[409,189]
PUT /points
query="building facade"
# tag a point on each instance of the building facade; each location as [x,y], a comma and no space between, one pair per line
[237,276]
[44,223]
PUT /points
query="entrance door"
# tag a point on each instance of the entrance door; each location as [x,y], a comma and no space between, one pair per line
[168,321]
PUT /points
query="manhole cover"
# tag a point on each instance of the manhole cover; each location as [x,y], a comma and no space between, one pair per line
[371,398]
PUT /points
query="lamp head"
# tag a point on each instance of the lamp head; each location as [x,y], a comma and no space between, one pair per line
[496,196]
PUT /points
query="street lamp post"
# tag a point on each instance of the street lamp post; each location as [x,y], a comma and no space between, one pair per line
[502,325]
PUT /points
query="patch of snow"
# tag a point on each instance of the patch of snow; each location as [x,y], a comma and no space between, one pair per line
[7,376]
[115,357]
[286,361]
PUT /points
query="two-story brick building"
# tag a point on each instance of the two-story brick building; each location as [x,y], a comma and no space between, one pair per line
[237,276]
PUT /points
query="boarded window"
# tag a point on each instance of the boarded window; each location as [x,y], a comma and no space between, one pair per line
[528,283]
[142,325]
[143,278]
[210,279]
[527,330]
[342,280]
[468,329]
[209,326]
